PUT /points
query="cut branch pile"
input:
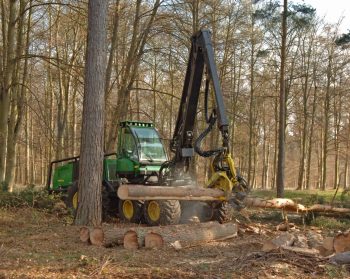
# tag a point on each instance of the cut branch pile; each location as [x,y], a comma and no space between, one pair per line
[176,236]
[310,264]
[336,249]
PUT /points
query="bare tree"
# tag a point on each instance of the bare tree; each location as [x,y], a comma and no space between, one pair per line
[282,114]
[91,151]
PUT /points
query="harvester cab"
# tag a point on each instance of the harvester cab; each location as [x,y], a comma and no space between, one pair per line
[140,152]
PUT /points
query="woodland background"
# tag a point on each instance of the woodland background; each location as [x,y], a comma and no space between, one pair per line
[42,48]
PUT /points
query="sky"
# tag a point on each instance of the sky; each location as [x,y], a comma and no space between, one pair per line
[332,10]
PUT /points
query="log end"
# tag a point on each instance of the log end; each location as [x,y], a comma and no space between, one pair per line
[153,240]
[123,192]
[130,240]
[97,236]
[341,242]
[84,234]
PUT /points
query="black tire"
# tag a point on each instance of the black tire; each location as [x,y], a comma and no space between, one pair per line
[108,209]
[223,212]
[72,194]
[168,212]
[72,201]
[135,211]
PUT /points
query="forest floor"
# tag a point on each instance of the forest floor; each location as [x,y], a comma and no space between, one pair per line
[42,243]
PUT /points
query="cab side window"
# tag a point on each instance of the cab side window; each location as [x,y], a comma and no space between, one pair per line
[128,146]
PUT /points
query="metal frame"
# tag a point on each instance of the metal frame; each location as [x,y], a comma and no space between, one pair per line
[201,55]
[74,159]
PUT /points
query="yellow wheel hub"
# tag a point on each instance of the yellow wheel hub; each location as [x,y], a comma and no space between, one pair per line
[128,209]
[75,200]
[153,211]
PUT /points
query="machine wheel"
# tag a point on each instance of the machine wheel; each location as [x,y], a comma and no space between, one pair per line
[72,201]
[223,212]
[162,212]
[130,211]
[72,198]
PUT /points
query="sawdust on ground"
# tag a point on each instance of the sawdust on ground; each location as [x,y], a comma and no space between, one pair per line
[35,244]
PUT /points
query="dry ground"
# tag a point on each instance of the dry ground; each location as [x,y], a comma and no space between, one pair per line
[35,244]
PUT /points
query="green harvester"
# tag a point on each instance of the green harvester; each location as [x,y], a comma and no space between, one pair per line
[140,154]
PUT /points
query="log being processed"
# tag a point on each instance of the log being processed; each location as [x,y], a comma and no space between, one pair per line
[190,193]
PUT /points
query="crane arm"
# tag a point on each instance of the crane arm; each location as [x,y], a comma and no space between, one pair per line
[201,56]
[224,174]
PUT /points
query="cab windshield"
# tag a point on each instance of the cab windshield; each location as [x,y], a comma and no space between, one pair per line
[151,148]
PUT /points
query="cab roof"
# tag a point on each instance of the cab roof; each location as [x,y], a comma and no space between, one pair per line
[136,124]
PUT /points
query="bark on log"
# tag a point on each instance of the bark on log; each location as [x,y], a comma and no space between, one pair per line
[84,234]
[183,236]
[328,208]
[278,203]
[177,236]
[112,236]
[140,192]
[290,205]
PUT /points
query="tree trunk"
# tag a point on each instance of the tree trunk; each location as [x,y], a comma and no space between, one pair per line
[91,152]
[309,152]
[282,113]
[19,95]
[326,126]
[9,55]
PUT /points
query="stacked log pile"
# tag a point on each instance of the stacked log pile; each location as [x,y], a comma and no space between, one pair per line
[175,236]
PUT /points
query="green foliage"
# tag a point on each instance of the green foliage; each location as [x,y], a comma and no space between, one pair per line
[330,223]
[29,197]
[343,39]
[345,198]
[315,199]
[268,11]
[301,15]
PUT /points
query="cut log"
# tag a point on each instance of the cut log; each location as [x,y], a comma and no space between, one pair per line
[341,242]
[84,234]
[328,243]
[130,240]
[285,226]
[199,234]
[269,246]
[328,208]
[107,236]
[97,236]
[153,240]
[300,250]
[327,247]
[284,239]
[185,235]
[285,204]
[141,192]
[290,205]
